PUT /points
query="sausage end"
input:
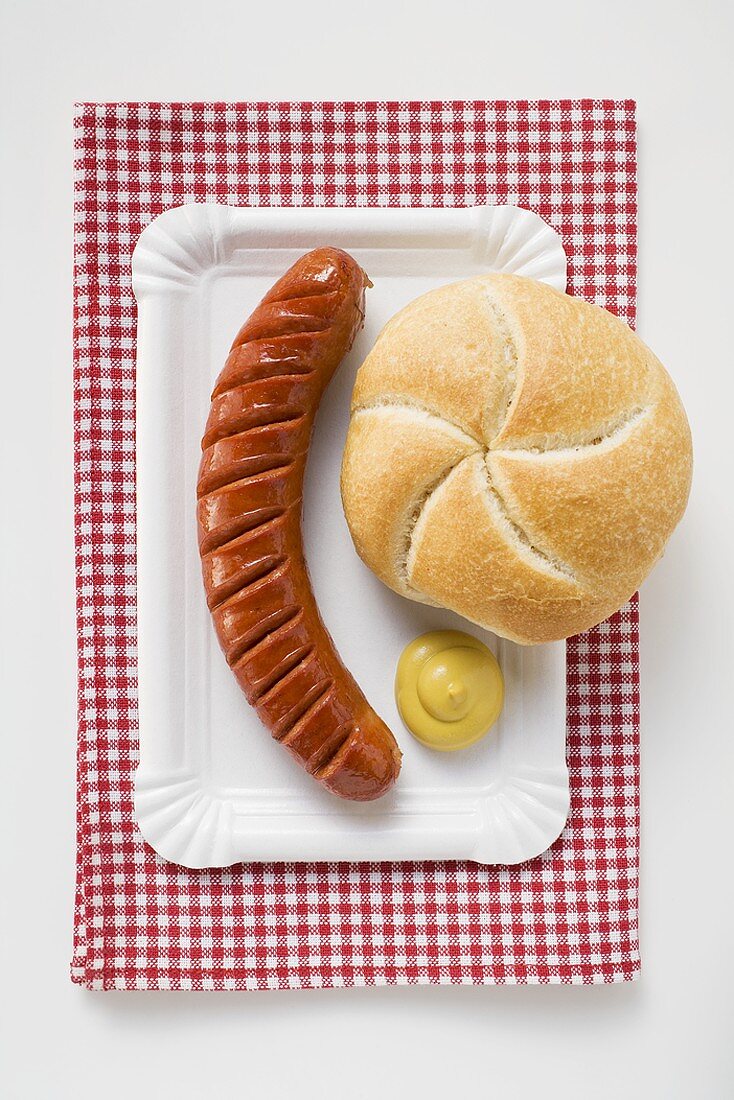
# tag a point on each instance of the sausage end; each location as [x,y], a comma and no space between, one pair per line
[366,766]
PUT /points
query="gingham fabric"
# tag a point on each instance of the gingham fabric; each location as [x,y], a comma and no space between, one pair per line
[141,923]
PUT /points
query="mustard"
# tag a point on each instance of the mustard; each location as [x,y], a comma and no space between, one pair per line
[449,689]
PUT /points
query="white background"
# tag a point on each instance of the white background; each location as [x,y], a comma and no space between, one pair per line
[667,1036]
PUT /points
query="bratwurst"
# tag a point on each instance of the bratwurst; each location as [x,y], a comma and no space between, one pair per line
[250,493]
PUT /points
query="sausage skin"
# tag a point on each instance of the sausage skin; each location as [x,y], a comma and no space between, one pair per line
[250,491]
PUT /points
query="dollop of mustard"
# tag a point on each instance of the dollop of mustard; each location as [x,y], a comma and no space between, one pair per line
[449,689]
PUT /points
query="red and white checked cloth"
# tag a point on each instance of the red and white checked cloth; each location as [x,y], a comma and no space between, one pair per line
[141,923]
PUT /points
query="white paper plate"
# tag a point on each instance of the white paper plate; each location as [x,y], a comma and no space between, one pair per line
[212,787]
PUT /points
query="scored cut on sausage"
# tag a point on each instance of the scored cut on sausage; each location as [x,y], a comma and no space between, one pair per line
[250,492]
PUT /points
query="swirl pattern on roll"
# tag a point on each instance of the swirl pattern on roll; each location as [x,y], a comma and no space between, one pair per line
[516,455]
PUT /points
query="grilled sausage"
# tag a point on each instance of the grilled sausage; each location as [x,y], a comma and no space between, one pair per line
[249,519]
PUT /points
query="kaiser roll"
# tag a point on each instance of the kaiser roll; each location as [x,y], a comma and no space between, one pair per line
[515,455]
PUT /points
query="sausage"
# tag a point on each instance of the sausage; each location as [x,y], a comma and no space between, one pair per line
[250,490]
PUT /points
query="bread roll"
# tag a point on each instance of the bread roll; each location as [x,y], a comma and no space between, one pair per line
[515,455]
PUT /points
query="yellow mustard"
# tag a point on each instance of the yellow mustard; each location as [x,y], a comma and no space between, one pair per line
[449,689]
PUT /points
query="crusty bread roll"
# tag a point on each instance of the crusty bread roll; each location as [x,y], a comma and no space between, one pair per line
[516,455]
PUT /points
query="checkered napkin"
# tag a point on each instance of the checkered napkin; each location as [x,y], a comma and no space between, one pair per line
[141,923]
